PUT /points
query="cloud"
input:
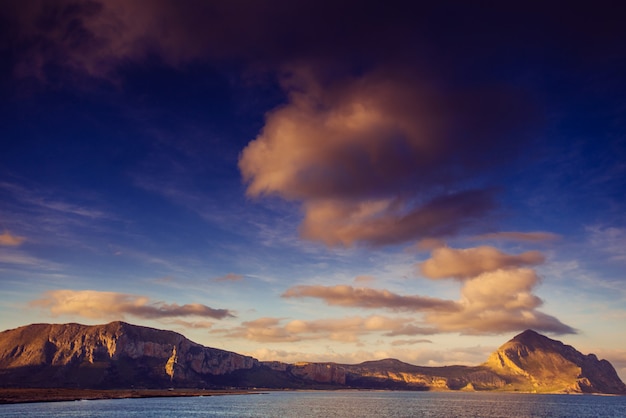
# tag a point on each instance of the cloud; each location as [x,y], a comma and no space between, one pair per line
[381,159]
[496,296]
[535,236]
[364,279]
[9,240]
[428,244]
[610,240]
[388,221]
[345,330]
[111,305]
[409,342]
[191,324]
[496,302]
[465,263]
[230,277]
[412,355]
[343,295]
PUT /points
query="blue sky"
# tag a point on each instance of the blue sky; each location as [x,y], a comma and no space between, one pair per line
[312,181]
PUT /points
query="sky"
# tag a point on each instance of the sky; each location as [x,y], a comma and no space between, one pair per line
[316,180]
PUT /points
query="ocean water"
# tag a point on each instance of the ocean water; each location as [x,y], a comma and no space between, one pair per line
[336,404]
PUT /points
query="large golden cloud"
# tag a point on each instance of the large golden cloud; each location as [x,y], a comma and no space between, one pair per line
[378,159]
[496,295]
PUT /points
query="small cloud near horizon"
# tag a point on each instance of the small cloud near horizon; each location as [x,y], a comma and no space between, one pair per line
[230,277]
[9,240]
[410,342]
[106,305]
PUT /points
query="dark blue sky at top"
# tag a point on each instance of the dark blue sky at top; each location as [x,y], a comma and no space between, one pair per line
[152,120]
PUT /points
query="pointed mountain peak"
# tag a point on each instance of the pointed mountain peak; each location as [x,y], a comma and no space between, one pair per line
[528,333]
[548,365]
[535,341]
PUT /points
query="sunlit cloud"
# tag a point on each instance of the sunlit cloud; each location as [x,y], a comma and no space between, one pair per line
[345,330]
[190,324]
[497,302]
[343,295]
[464,263]
[428,244]
[363,279]
[230,277]
[535,236]
[111,305]
[496,296]
[427,356]
[410,342]
[368,158]
[9,240]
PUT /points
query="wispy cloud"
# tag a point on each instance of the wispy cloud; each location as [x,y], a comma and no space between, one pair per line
[9,240]
[364,279]
[12,256]
[343,295]
[230,277]
[610,240]
[111,305]
[410,342]
[43,202]
[346,330]
[534,236]
[413,355]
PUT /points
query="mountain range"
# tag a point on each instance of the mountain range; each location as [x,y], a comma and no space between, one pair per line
[122,355]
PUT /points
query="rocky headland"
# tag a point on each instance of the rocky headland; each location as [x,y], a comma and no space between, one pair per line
[119,355]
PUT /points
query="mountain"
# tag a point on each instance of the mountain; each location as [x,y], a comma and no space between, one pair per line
[533,362]
[112,355]
[121,355]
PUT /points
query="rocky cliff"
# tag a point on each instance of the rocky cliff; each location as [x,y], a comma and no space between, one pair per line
[111,355]
[123,356]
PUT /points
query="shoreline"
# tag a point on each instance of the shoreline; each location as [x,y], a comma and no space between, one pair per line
[33,395]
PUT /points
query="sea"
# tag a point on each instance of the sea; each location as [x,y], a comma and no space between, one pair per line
[336,404]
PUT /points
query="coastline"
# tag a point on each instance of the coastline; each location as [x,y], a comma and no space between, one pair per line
[30,395]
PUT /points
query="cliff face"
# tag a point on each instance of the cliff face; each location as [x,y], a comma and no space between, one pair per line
[398,374]
[110,355]
[533,362]
[124,356]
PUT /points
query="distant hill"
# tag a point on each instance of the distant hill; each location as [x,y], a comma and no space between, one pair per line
[121,355]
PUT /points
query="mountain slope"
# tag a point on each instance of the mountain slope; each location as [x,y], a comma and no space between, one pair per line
[112,355]
[121,355]
[533,362]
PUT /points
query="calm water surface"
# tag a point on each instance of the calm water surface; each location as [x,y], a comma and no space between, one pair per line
[336,404]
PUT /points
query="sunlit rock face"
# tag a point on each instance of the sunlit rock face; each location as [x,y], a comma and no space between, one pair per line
[533,362]
[394,373]
[320,372]
[114,354]
[120,355]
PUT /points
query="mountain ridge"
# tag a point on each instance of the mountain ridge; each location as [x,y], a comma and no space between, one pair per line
[119,354]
